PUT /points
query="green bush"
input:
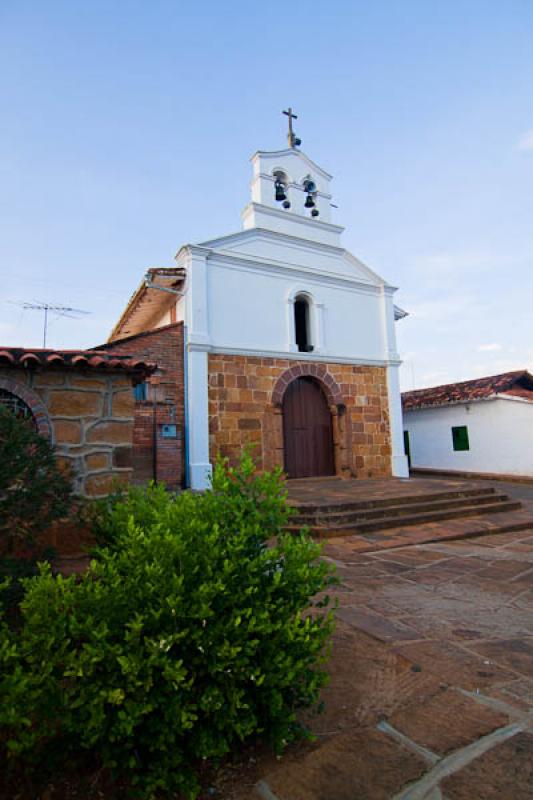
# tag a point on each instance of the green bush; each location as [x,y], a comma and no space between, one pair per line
[33,491]
[188,635]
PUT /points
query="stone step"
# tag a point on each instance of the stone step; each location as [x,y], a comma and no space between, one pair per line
[439,516]
[353,517]
[455,529]
[393,500]
[412,519]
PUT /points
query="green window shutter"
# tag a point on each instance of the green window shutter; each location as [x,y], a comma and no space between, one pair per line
[460,438]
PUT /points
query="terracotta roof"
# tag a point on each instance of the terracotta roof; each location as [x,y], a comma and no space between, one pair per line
[95,360]
[516,384]
[150,301]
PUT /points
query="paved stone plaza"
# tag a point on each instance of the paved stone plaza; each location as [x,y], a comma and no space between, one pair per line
[431,692]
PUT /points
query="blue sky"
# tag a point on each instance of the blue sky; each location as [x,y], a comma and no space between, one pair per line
[126,128]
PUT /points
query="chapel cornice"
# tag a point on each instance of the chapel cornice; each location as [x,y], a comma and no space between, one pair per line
[269,266]
[287,216]
[291,153]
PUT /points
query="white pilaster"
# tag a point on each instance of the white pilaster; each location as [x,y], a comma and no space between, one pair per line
[197,369]
[399,463]
[400,467]
[197,394]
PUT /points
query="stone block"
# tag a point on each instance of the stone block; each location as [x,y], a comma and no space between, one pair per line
[259,396]
[122,457]
[503,772]
[123,403]
[67,431]
[121,382]
[87,382]
[72,403]
[432,722]
[66,465]
[111,432]
[104,483]
[97,460]
[44,379]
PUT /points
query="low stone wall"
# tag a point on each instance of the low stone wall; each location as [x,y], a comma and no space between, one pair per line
[245,409]
[89,418]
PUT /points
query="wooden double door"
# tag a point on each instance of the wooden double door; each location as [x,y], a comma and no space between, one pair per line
[307,430]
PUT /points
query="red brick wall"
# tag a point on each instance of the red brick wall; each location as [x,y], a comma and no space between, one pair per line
[164,346]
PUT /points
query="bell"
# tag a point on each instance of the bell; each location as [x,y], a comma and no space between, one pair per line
[280,191]
[309,202]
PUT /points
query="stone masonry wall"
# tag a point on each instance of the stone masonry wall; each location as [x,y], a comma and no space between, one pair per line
[245,408]
[163,346]
[91,422]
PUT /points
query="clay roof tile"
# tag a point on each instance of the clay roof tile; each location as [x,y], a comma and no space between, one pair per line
[518,383]
[74,359]
[5,354]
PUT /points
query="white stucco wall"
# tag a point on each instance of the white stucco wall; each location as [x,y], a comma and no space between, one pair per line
[500,433]
[252,309]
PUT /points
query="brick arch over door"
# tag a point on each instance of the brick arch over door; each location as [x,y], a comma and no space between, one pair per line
[329,384]
[34,403]
[341,425]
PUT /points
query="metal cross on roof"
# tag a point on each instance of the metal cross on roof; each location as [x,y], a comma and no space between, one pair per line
[291,136]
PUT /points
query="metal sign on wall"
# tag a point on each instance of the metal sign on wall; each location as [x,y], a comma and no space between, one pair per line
[169,431]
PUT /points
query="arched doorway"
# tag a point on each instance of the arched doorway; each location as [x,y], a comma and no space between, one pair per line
[307,430]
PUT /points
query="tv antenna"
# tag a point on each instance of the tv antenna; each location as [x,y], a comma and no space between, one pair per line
[60,311]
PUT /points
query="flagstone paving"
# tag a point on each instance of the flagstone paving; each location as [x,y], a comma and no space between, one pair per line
[431,692]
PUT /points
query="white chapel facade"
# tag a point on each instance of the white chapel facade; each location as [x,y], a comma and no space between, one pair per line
[289,342]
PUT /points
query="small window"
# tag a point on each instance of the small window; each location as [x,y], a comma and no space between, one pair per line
[460,438]
[17,406]
[302,324]
[140,392]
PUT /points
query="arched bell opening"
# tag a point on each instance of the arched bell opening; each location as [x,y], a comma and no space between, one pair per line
[281,188]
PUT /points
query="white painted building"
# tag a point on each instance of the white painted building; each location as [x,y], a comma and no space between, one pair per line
[483,426]
[241,295]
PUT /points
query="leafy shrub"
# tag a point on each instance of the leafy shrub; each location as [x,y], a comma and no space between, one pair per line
[186,637]
[33,490]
